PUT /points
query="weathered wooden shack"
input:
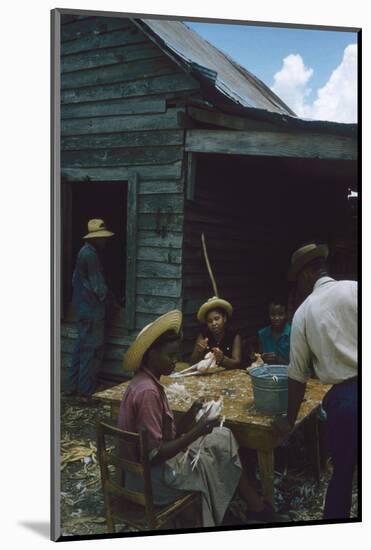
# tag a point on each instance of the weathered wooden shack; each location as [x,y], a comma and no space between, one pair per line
[165,137]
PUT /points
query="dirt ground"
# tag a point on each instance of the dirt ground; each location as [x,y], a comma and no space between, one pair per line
[297,494]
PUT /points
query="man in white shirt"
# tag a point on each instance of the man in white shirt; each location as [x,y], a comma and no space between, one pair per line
[324,337]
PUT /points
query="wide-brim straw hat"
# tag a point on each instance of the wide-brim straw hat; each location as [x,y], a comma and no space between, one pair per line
[97,229]
[214,303]
[304,255]
[148,335]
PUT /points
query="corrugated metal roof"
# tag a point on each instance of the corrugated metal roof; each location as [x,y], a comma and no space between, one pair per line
[206,61]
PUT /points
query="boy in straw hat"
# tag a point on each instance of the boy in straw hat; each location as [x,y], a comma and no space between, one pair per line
[216,336]
[90,299]
[217,473]
[324,335]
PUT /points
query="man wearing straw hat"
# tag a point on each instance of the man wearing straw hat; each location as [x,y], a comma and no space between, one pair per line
[324,335]
[188,455]
[90,299]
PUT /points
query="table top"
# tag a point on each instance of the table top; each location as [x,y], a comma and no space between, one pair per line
[234,385]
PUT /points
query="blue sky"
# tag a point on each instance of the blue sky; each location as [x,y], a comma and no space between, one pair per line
[311,57]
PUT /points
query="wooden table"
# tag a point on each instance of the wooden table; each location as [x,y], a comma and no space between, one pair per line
[251,429]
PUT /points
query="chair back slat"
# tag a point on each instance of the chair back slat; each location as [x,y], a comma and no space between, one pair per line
[125,465]
[132,496]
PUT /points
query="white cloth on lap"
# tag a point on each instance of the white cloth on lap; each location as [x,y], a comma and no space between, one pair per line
[216,474]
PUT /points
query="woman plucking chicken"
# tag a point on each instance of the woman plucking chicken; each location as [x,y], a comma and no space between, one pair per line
[216,336]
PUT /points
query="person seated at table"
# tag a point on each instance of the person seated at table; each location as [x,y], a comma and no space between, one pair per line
[216,335]
[218,472]
[274,340]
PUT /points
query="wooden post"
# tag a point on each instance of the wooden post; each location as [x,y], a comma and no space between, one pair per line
[191,176]
[131,248]
[266,470]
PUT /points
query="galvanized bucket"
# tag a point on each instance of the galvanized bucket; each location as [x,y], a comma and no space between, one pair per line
[270,387]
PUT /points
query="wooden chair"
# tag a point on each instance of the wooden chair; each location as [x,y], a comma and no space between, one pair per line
[129,454]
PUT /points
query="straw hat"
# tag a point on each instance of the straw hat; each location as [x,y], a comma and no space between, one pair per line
[97,229]
[213,303]
[304,255]
[148,335]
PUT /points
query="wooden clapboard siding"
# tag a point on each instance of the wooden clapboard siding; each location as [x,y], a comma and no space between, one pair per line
[160,223]
[67,19]
[161,270]
[136,106]
[275,144]
[172,119]
[122,157]
[159,287]
[155,85]
[160,172]
[117,124]
[166,204]
[128,34]
[161,254]
[90,26]
[150,238]
[158,305]
[122,72]
[127,139]
[157,187]
[109,56]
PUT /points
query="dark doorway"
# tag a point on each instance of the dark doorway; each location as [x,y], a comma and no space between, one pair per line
[254,212]
[80,203]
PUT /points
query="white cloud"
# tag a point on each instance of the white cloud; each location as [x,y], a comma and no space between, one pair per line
[336,100]
[290,83]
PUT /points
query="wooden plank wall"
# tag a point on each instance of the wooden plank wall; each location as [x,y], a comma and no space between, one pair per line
[254,212]
[115,84]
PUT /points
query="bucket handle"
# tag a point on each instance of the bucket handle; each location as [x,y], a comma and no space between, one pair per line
[267,369]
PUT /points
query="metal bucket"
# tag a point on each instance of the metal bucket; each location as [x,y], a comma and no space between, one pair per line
[270,387]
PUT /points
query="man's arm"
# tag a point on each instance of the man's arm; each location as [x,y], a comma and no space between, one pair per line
[284,424]
[96,277]
[299,372]
[296,391]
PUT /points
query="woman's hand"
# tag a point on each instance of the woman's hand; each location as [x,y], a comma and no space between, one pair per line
[206,426]
[197,405]
[270,358]
[201,345]
[219,355]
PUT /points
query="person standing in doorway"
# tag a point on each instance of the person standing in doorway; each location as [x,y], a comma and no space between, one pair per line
[90,300]
[324,335]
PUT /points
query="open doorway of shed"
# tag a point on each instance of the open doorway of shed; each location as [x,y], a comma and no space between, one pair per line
[82,201]
[255,211]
